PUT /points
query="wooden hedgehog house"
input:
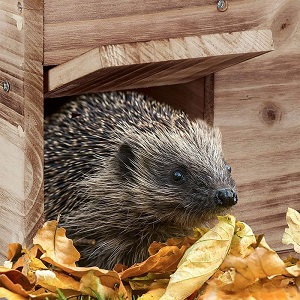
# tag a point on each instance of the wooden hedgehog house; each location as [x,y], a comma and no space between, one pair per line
[213,59]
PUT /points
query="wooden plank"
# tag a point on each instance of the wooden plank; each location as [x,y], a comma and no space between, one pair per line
[61,11]
[131,22]
[257,108]
[21,121]
[154,63]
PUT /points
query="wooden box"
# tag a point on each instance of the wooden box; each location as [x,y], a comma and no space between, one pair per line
[190,54]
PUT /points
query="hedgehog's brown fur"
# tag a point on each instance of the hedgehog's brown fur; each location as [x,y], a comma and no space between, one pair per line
[109,160]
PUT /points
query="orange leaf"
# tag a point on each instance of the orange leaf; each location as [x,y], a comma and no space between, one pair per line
[56,245]
[28,256]
[60,252]
[259,291]
[165,260]
[15,281]
[179,242]
[261,263]
[14,250]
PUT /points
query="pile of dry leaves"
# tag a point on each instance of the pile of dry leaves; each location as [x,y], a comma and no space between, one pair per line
[225,262]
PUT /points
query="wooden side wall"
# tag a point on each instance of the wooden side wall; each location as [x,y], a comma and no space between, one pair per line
[257,106]
[21,121]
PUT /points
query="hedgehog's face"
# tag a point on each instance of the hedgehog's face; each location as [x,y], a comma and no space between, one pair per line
[180,177]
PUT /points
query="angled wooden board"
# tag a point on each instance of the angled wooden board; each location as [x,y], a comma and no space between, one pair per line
[155,63]
[75,27]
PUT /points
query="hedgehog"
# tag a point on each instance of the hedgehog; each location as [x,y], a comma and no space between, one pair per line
[123,170]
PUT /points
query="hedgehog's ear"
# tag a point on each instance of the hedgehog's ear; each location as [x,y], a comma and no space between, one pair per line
[126,160]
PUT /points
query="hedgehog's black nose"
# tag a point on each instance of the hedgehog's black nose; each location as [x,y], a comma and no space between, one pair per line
[226,197]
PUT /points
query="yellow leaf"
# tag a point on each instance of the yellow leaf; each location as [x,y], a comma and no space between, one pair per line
[242,240]
[154,282]
[90,283]
[201,260]
[51,280]
[153,294]
[56,245]
[6,294]
[292,234]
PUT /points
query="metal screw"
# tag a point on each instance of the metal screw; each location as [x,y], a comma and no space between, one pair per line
[222,5]
[6,86]
[20,7]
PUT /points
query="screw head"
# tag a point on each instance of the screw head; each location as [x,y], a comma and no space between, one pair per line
[222,5]
[6,86]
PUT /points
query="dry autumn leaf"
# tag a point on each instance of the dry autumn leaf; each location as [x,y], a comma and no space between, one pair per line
[291,234]
[7,294]
[201,260]
[50,280]
[258,292]
[239,265]
[261,263]
[14,250]
[153,294]
[15,281]
[242,240]
[60,252]
[165,260]
[89,283]
[57,248]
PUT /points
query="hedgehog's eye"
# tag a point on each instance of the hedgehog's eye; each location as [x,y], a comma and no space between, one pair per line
[228,168]
[178,176]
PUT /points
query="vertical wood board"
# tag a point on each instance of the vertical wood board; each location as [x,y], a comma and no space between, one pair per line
[21,121]
[257,107]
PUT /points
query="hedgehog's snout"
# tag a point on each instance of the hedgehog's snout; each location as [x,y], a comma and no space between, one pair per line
[226,197]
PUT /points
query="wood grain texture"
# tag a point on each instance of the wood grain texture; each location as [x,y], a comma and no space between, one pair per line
[21,122]
[130,21]
[155,63]
[189,97]
[257,106]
